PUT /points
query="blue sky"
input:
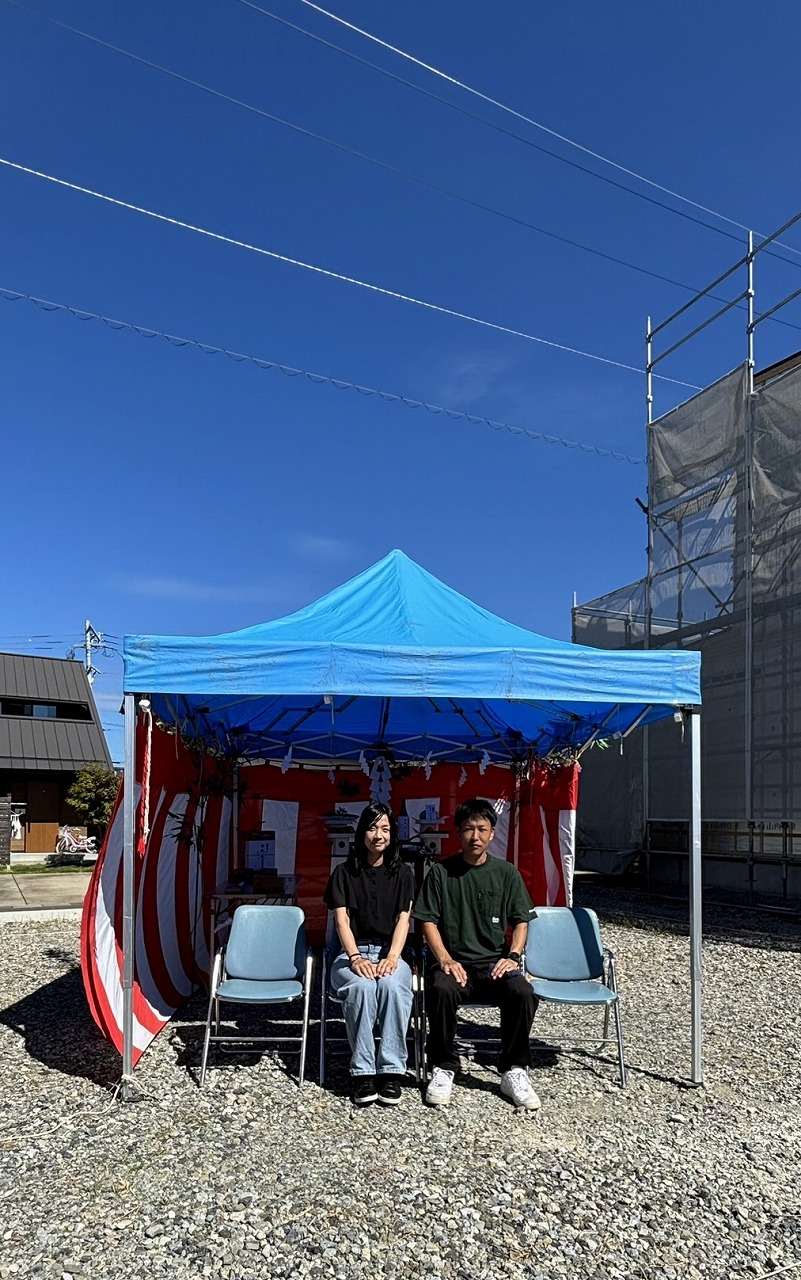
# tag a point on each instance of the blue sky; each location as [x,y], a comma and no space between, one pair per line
[157,489]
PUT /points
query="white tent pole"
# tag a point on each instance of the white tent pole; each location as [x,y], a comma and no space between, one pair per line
[516,808]
[696,957]
[128,869]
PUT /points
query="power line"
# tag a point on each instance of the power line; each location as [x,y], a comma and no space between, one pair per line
[508,133]
[370,159]
[489,124]
[335,275]
[343,147]
[351,151]
[502,106]
[341,384]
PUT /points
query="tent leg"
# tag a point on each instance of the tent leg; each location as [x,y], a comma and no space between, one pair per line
[128,877]
[696,958]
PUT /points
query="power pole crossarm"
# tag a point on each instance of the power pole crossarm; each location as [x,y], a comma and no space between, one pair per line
[92,640]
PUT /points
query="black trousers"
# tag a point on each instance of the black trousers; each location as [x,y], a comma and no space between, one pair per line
[511,994]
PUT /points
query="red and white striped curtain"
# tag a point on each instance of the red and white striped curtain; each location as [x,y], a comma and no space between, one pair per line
[188,851]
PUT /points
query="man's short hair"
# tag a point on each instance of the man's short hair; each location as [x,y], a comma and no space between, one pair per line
[470,809]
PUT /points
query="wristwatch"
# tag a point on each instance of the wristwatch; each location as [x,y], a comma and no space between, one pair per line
[516,956]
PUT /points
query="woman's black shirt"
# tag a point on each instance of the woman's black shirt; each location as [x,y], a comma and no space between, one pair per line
[373,898]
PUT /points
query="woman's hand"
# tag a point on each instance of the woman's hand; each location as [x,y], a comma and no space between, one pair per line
[387,966]
[363,968]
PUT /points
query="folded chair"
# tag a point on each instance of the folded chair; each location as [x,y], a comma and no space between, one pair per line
[569,964]
[331,1044]
[264,962]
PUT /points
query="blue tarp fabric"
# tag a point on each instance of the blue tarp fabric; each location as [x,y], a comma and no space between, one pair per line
[395,662]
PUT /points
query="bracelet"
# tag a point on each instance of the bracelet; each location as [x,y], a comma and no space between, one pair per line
[357,955]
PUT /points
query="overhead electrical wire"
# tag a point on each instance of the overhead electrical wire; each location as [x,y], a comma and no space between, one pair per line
[384,71]
[498,128]
[352,151]
[374,160]
[333,275]
[537,124]
[341,384]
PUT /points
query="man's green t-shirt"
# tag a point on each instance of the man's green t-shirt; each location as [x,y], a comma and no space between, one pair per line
[472,906]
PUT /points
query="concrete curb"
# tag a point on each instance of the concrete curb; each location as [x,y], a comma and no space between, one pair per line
[40,913]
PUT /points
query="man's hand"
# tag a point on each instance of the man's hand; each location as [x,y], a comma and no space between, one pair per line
[364,968]
[455,970]
[386,966]
[503,967]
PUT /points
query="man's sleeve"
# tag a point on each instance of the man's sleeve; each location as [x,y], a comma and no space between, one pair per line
[428,907]
[521,908]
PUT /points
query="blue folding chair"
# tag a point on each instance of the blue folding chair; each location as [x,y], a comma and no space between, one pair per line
[568,964]
[264,962]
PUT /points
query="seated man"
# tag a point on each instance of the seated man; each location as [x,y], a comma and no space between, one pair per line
[465,906]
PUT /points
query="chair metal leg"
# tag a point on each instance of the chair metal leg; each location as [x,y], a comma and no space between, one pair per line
[323,1015]
[621,1056]
[422,1072]
[213,1010]
[605,1035]
[612,984]
[206,1039]
[415,1025]
[305,1030]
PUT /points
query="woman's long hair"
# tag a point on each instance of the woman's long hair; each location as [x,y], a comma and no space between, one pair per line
[357,858]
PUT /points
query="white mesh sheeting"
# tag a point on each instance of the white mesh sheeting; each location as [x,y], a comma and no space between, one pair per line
[697,441]
[705,541]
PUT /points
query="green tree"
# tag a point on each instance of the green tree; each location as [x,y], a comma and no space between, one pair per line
[92,796]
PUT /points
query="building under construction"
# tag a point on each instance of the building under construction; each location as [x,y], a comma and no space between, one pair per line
[723,576]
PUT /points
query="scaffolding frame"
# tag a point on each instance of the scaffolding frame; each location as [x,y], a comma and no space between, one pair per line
[727,610]
[723,576]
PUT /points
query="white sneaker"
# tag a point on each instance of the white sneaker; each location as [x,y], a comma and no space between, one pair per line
[438,1093]
[516,1085]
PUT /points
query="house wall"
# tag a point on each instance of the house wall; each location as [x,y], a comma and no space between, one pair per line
[44,796]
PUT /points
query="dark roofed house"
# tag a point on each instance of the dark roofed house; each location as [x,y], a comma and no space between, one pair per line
[49,727]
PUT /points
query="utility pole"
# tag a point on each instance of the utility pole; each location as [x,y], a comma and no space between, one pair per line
[91,640]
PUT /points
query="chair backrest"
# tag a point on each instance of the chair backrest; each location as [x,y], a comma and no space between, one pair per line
[564,944]
[266,943]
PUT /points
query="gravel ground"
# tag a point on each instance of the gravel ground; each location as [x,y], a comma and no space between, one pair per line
[253,1177]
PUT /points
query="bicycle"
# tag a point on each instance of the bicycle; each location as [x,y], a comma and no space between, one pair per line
[69,842]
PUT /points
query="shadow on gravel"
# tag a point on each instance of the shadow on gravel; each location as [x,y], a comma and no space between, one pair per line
[736,923]
[188,1028]
[58,1030]
[603,1066]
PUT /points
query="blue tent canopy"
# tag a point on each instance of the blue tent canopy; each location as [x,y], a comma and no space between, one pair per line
[396,663]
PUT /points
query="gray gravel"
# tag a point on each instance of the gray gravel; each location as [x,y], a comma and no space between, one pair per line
[252,1177]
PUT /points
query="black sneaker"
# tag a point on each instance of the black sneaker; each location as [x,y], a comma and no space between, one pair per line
[389,1090]
[364,1090]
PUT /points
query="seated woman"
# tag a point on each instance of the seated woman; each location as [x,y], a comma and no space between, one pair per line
[371,896]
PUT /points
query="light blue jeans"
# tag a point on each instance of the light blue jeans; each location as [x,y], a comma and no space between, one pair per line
[374,1007]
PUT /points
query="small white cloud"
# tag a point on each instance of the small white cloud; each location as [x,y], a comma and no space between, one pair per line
[108,701]
[186,589]
[464,381]
[317,546]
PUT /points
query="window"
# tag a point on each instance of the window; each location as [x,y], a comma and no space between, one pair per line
[45,710]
